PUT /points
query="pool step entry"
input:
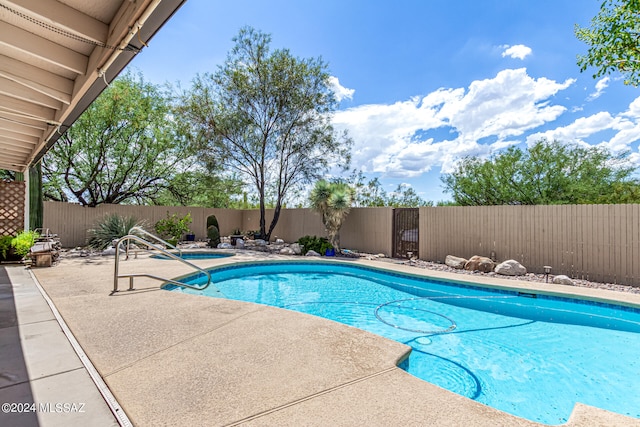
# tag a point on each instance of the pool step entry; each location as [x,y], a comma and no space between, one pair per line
[126,240]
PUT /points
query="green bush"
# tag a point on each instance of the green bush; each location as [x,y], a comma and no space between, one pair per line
[5,245]
[214,236]
[314,243]
[173,226]
[23,242]
[212,220]
[111,227]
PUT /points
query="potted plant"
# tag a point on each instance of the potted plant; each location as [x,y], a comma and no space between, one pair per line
[173,227]
[235,235]
[191,236]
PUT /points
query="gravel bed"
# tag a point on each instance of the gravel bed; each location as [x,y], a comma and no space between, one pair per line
[529,277]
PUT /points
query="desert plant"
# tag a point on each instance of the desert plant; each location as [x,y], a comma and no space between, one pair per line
[173,227]
[314,243]
[333,201]
[23,242]
[212,220]
[5,245]
[214,236]
[111,227]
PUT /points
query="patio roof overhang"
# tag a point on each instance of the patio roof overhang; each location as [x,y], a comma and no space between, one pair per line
[56,57]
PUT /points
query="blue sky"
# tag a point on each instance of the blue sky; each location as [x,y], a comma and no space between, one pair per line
[424,83]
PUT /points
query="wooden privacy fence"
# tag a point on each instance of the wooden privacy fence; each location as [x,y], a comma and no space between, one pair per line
[593,242]
[365,229]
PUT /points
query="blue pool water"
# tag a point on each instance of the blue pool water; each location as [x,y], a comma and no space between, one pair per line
[531,356]
[195,255]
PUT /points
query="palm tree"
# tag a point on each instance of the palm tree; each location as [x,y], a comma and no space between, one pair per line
[333,201]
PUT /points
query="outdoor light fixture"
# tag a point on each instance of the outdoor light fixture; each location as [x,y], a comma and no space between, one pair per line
[547,270]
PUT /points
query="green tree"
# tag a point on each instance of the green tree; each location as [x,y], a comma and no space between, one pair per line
[333,201]
[7,175]
[123,149]
[198,188]
[547,173]
[266,115]
[404,196]
[371,194]
[613,40]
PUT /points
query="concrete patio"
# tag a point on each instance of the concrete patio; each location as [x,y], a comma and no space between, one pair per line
[177,359]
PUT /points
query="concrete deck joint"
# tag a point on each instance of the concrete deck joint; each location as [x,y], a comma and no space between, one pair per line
[312,396]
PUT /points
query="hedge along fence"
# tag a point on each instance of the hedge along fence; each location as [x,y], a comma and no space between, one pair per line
[594,242]
[365,229]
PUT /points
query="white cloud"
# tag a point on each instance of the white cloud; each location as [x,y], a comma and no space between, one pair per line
[601,85]
[624,128]
[340,91]
[518,51]
[408,138]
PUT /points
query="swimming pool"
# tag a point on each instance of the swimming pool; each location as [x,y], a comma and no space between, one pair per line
[195,255]
[533,356]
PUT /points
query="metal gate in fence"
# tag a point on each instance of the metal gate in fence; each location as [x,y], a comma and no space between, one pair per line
[405,232]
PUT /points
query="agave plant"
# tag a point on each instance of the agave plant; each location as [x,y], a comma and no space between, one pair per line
[111,227]
[333,201]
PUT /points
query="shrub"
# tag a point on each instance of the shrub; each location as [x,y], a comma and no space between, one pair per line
[111,227]
[23,242]
[214,236]
[173,226]
[5,245]
[314,243]
[212,220]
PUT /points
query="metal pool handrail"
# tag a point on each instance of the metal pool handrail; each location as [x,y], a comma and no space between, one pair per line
[139,239]
[140,230]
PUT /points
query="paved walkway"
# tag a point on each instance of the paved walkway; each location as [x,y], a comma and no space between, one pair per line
[178,359]
[43,382]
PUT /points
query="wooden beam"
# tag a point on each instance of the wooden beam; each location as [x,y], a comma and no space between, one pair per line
[24,129]
[18,138]
[51,94]
[42,48]
[36,125]
[64,17]
[8,146]
[26,109]
[18,91]
[35,74]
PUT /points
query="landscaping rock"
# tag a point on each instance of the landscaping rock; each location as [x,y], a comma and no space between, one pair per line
[279,241]
[260,242]
[562,280]
[511,267]
[225,246]
[240,243]
[287,251]
[312,253]
[296,248]
[455,262]
[479,263]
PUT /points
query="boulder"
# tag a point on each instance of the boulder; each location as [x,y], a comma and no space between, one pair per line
[296,248]
[312,253]
[279,241]
[260,242]
[225,246]
[562,280]
[511,267]
[455,262]
[479,263]
[287,251]
[240,243]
